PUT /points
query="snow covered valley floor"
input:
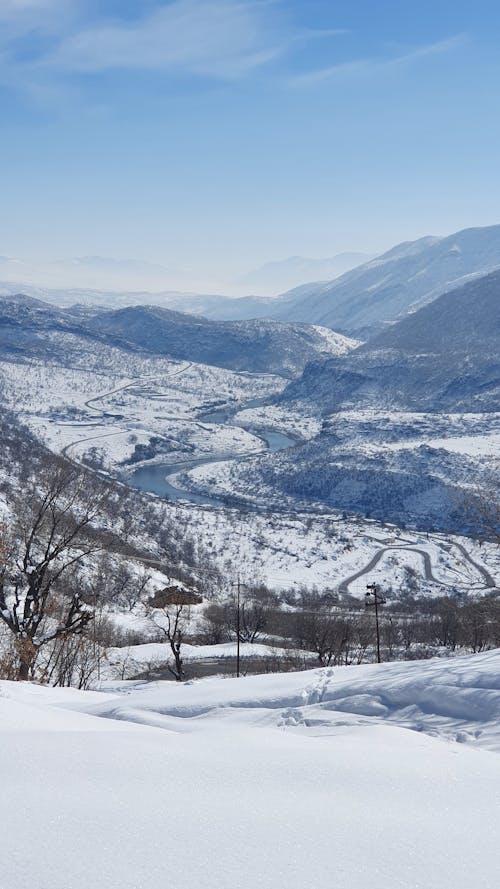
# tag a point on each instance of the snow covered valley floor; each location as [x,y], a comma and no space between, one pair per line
[381,776]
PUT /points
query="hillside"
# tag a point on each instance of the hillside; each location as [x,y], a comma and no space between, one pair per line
[442,357]
[362,301]
[254,346]
[257,346]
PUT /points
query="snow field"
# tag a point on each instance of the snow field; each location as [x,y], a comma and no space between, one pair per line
[266,781]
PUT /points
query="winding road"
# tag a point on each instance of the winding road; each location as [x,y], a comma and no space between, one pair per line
[97,410]
[489,581]
[155,477]
[139,381]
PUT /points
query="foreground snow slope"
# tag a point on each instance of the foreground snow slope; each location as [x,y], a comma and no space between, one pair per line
[298,780]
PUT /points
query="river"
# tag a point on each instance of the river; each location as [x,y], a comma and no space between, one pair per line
[155,478]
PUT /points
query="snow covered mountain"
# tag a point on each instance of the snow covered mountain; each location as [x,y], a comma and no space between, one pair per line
[363,301]
[366,299]
[390,411]
[360,303]
[267,346]
[442,357]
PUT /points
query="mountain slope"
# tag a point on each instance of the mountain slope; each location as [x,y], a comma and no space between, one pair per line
[267,346]
[443,357]
[363,301]
[264,346]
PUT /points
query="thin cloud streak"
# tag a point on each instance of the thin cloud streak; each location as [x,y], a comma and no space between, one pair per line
[216,38]
[374,65]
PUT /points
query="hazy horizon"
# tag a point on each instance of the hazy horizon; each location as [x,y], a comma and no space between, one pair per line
[111,274]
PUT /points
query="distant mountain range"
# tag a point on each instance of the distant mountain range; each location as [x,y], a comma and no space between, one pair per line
[360,303]
[367,299]
[29,328]
[108,276]
[90,272]
[276,277]
[178,301]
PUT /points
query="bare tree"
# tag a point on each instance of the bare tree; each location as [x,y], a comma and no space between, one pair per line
[445,621]
[172,621]
[480,623]
[115,582]
[255,611]
[325,633]
[46,542]
[73,660]
[217,626]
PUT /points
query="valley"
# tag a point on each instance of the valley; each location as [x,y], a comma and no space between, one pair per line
[245,491]
[283,457]
[187,433]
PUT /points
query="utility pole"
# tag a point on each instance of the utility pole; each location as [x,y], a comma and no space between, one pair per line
[238,628]
[372,600]
[96,653]
[238,586]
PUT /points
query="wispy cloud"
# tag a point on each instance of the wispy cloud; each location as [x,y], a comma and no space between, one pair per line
[219,38]
[373,65]
[211,38]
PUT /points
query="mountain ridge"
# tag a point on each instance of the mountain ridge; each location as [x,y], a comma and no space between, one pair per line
[443,356]
[254,346]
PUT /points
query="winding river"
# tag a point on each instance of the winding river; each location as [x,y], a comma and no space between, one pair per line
[156,478]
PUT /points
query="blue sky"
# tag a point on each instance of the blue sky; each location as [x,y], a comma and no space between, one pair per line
[214,135]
